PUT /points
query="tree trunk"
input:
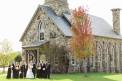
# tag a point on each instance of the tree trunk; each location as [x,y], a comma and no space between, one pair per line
[85,67]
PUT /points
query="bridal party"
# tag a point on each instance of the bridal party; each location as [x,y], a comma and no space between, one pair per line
[30,71]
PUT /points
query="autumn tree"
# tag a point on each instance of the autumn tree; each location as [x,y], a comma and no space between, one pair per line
[81,44]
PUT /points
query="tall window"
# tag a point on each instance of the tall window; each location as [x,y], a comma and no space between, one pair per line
[41,36]
[41,31]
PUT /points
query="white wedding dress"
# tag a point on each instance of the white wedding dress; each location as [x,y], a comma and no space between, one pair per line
[29,74]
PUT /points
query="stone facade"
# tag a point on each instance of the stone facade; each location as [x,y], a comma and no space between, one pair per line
[108,50]
[106,59]
[108,55]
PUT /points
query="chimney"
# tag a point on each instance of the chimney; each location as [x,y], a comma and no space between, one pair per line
[59,6]
[116,20]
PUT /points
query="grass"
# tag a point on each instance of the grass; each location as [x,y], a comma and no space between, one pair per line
[74,77]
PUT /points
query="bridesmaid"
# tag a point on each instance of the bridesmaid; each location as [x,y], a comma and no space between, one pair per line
[9,72]
[14,71]
[22,71]
[17,71]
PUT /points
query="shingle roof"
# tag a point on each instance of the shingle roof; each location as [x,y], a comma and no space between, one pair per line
[99,27]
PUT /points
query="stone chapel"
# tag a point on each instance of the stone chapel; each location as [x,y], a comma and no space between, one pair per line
[51,24]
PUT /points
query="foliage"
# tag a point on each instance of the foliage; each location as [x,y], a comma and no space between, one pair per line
[18,58]
[6,59]
[81,43]
[12,56]
[6,46]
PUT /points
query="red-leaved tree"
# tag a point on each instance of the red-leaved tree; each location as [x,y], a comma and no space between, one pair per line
[82,41]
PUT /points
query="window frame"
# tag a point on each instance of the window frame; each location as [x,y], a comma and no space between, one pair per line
[41,33]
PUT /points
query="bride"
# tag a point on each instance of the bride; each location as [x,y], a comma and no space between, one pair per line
[29,71]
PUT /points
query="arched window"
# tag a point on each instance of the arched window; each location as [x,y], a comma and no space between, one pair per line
[41,31]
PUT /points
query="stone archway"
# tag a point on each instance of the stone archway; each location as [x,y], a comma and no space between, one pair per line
[31,55]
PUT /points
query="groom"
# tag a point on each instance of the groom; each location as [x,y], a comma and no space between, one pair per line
[34,70]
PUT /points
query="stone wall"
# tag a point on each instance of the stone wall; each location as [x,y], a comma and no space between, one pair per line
[107,58]
[32,34]
[58,6]
[108,55]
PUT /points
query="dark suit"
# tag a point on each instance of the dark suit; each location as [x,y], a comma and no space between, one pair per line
[34,70]
[22,71]
[38,72]
[44,71]
[25,72]
[48,71]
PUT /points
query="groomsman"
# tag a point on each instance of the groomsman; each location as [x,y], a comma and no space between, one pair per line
[38,71]
[26,68]
[48,70]
[44,70]
[41,70]
[34,70]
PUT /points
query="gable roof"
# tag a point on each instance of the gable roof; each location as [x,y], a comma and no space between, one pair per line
[61,22]
[29,24]
[99,26]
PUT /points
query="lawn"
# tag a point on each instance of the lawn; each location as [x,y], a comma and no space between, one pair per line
[74,77]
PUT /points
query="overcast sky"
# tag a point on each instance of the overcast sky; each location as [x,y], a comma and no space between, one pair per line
[15,15]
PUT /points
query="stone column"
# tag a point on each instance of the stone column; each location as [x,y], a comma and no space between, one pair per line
[38,56]
[101,57]
[23,55]
[113,59]
[118,57]
[27,57]
[107,58]
[121,57]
